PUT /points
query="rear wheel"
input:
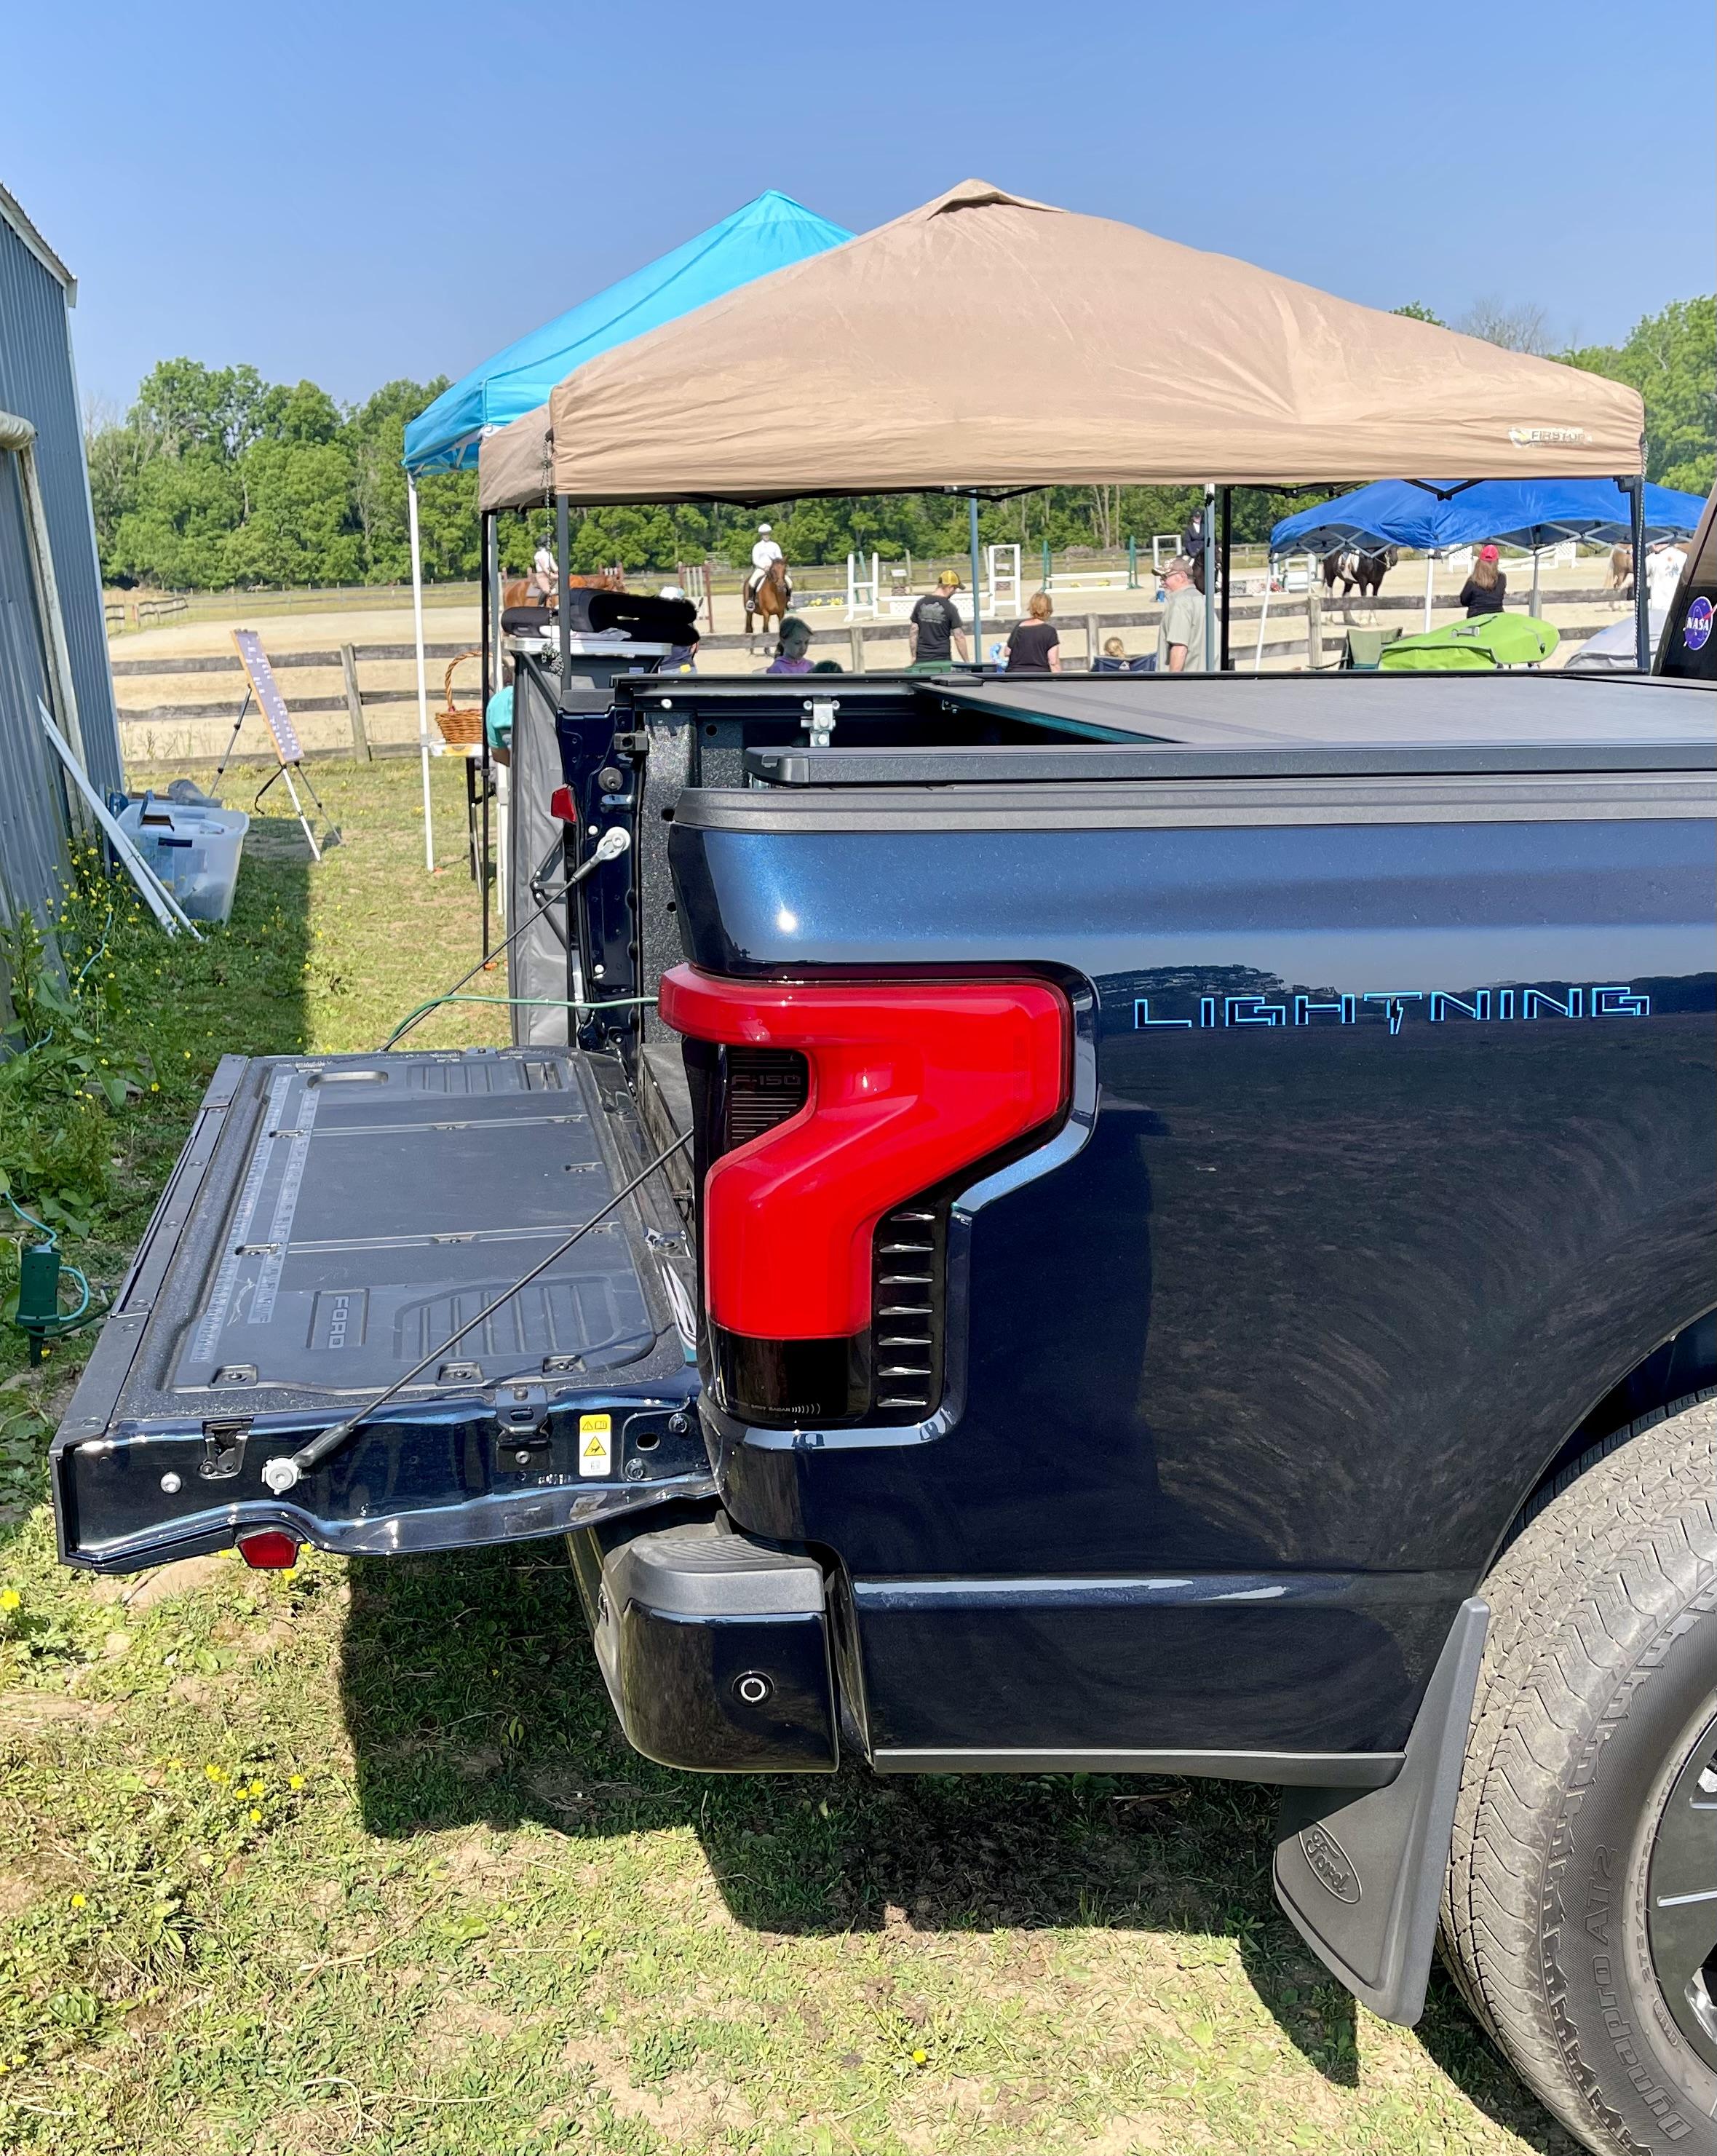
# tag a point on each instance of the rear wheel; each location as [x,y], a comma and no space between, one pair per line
[1581,1913]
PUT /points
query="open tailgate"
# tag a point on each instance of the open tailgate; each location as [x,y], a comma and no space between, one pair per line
[331,1220]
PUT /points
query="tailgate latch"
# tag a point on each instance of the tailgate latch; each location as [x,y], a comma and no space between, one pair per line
[522,1417]
[223,1448]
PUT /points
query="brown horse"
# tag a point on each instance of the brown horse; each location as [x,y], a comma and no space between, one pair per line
[517,593]
[770,600]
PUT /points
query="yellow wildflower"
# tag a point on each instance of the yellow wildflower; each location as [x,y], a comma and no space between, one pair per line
[255,1789]
[10,1598]
[255,1817]
[80,1901]
[920,2058]
[294,1781]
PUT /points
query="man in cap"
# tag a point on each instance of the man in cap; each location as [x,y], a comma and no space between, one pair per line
[764,555]
[933,628]
[682,658]
[1180,638]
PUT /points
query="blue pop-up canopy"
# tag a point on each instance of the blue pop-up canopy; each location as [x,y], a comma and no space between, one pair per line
[1525,513]
[767,234]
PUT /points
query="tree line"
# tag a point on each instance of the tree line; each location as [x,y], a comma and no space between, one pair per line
[215,479]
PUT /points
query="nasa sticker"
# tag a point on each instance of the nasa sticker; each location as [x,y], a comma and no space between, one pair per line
[1696,630]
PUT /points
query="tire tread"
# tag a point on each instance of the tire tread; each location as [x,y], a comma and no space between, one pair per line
[1589,1577]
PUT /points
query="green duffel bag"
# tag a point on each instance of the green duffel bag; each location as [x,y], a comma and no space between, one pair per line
[1477,646]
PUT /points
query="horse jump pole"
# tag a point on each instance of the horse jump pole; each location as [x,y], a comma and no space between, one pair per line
[1225,550]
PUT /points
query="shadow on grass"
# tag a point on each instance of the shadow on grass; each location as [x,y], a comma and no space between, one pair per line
[472,1698]
[180,1005]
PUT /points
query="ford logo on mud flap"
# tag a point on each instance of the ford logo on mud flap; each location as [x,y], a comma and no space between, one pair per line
[1331,1862]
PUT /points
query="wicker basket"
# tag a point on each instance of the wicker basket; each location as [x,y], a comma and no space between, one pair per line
[461,727]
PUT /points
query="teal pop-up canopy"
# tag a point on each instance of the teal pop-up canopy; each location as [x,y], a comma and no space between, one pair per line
[767,234]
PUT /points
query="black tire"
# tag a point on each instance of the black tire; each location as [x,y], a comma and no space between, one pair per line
[1596,1702]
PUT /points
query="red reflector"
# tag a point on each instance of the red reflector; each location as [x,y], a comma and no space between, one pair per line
[268,1549]
[909,1082]
[562,807]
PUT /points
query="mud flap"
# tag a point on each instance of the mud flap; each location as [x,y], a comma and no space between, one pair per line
[1361,1877]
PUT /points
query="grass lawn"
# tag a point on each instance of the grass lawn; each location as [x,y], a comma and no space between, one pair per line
[353,1858]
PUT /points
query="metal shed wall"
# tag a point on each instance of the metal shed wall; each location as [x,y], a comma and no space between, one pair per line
[38,382]
[32,808]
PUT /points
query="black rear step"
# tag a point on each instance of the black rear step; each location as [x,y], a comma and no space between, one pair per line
[330,1219]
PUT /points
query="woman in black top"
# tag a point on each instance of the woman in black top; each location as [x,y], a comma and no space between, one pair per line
[1483,591]
[1032,648]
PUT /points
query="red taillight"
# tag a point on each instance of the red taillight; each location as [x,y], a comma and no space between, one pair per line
[562,807]
[268,1549]
[910,1082]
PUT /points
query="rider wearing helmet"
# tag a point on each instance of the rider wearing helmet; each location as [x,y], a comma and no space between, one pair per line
[764,555]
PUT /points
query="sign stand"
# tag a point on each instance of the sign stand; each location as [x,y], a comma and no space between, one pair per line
[266,689]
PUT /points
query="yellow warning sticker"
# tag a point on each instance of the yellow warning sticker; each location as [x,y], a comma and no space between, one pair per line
[596,1445]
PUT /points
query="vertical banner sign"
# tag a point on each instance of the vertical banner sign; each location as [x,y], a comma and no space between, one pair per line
[269,702]
[289,750]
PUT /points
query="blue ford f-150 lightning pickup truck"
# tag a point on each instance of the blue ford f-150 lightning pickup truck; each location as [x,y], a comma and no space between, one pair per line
[1155,1226]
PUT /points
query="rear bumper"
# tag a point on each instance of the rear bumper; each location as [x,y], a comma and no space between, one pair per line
[714,1649]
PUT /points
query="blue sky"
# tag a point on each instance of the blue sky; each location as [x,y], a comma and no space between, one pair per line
[359,191]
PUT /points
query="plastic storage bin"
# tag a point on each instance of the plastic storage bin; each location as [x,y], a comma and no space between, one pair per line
[194,851]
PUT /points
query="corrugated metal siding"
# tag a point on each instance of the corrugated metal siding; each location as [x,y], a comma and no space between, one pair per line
[32,823]
[38,381]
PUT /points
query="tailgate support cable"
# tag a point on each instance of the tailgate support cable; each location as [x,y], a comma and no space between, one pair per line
[284,1470]
[616,841]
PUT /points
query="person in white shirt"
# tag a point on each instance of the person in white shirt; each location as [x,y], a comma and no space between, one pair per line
[544,575]
[1663,567]
[764,554]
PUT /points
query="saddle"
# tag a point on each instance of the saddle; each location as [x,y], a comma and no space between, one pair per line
[754,584]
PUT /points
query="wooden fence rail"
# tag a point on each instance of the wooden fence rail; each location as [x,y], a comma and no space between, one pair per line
[1299,626]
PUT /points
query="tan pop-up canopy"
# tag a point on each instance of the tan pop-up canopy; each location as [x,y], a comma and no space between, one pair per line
[985,340]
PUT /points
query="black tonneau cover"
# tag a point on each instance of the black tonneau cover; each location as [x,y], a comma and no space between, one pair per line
[1478,714]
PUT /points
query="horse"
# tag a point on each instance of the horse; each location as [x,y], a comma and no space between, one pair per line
[1351,566]
[518,592]
[770,599]
[1622,570]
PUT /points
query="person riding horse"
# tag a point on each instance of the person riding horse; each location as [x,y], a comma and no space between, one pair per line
[764,556]
[545,579]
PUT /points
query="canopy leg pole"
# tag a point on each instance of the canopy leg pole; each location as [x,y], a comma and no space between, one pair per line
[1430,572]
[1635,490]
[1207,541]
[563,591]
[1263,612]
[977,603]
[422,685]
[1225,551]
[1534,584]
[485,546]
